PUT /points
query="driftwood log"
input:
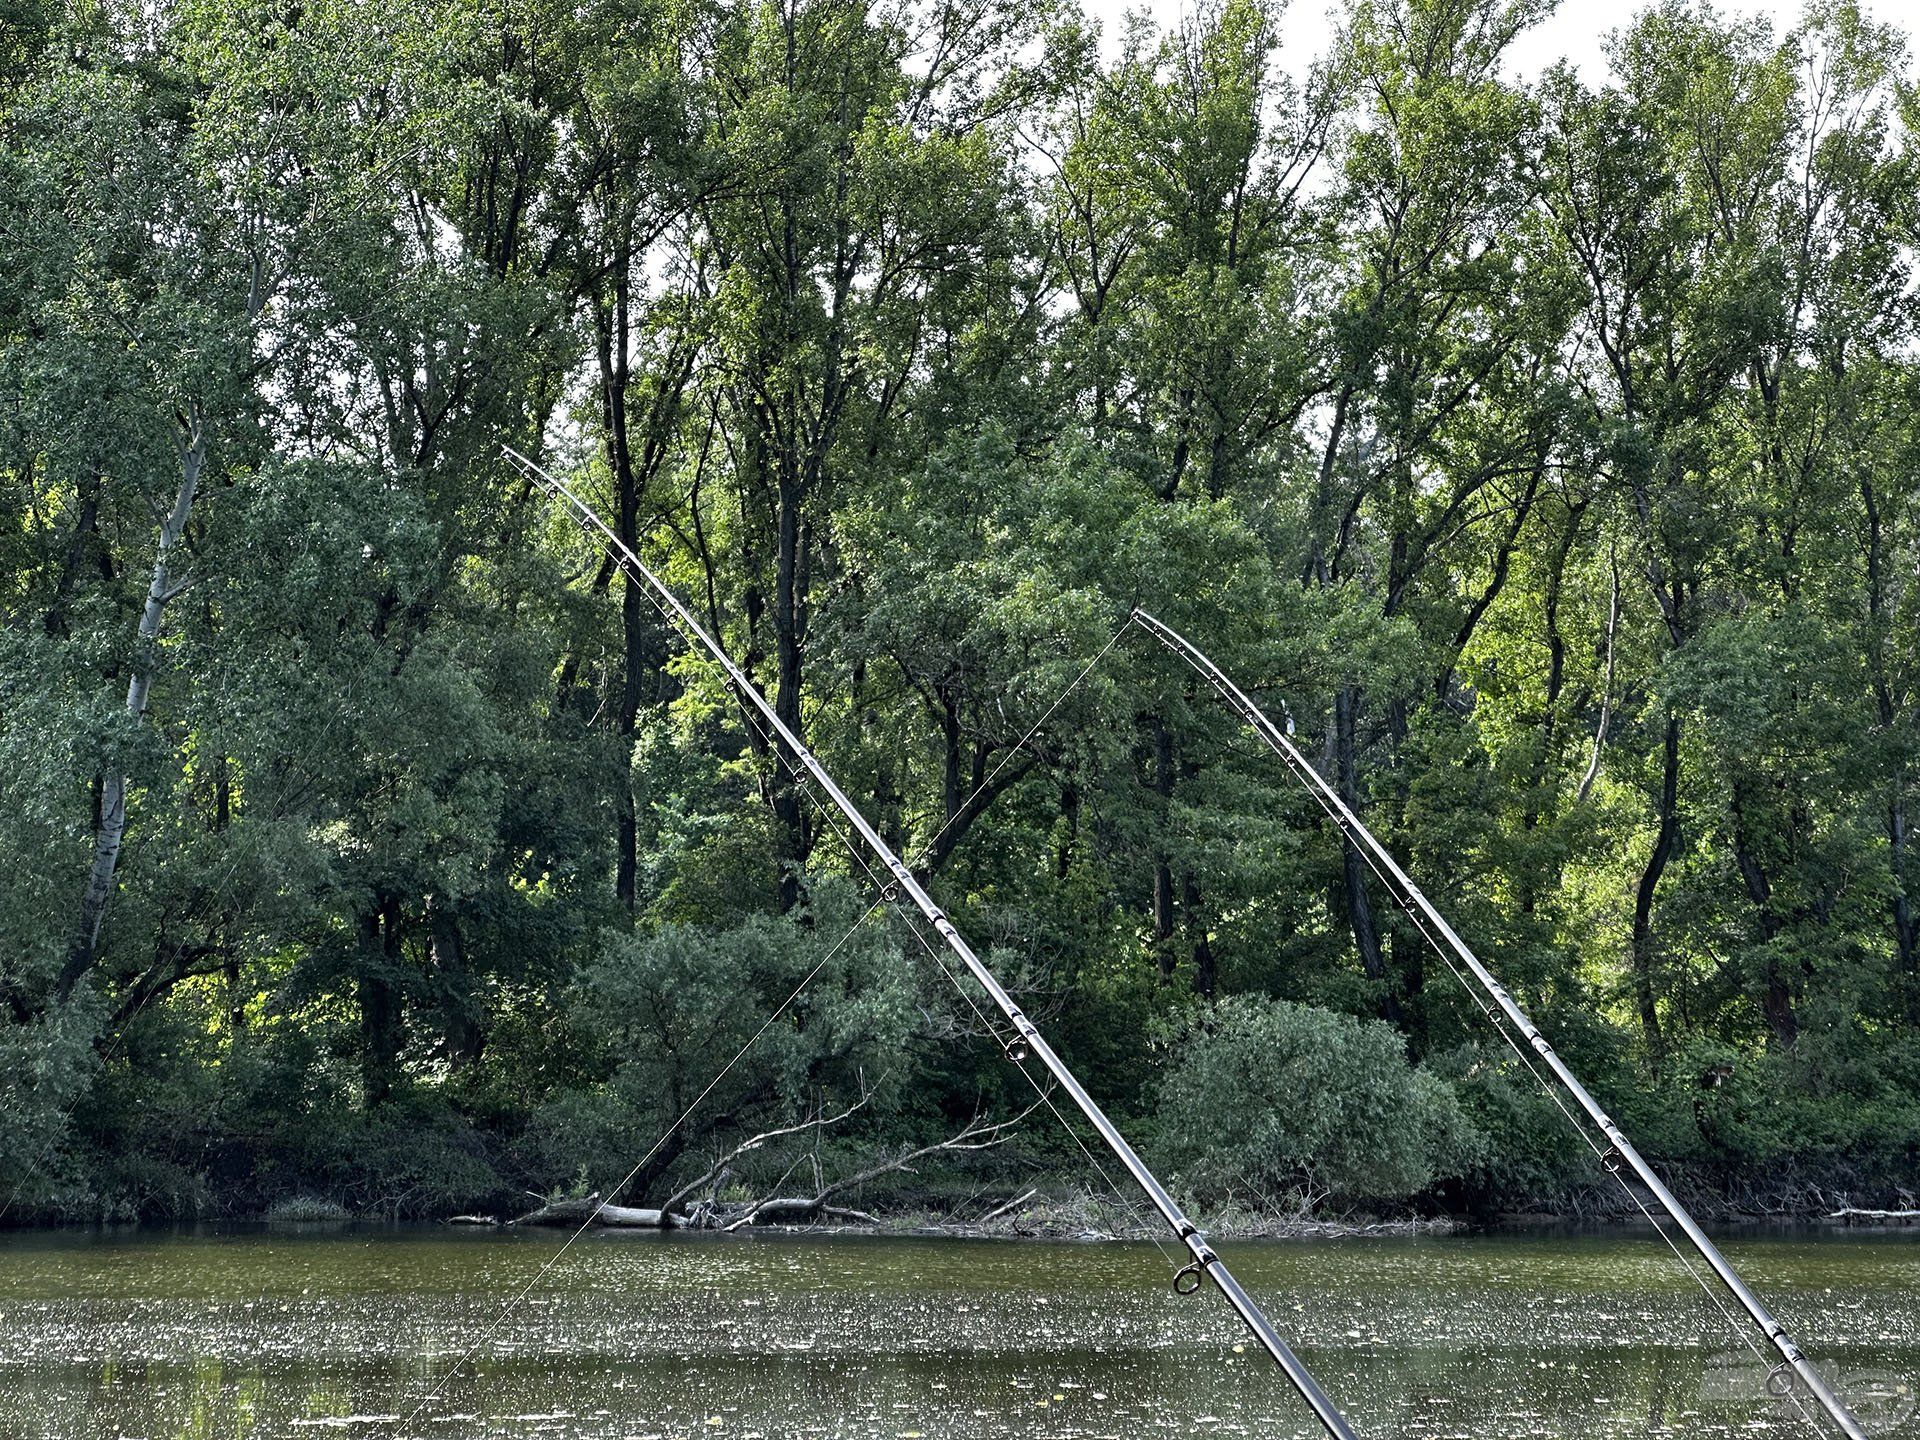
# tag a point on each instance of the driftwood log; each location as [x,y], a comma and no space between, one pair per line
[592,1210]
[1876,1217]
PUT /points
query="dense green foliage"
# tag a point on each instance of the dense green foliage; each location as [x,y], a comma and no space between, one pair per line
[1548,448]
[1276,1098]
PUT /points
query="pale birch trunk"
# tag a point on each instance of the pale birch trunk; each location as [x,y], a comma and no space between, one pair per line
[84,949]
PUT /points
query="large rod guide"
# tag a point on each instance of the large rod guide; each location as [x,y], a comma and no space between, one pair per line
[1792,1361]
[1205,1261]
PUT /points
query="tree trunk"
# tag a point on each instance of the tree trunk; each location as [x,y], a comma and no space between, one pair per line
[611,329]
[788,636]
[1366,935]
[460,1013]
[110,830]
[380,1020]
[1663,847]
[1070,830]
[1777,1001]
[956,824]
[1543,767]
[886,811]
[1162,863]
[1204,969]
[575,1213]
[230,973]
[85,529]
[1906,924]
[1777,1004]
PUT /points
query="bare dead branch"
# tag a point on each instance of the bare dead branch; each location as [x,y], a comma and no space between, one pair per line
[978,1134]
[816,1123]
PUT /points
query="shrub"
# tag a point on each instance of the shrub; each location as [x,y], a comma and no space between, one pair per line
[46,1068]
[667,1013]
[304,1209]
[1281,1099]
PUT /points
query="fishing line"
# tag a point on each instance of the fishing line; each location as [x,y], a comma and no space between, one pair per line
[1045,1094]
[1612,1162]
[1742,1332]
[552,1260]
[1206,1263]
[994,1030]
[1032,730]
[1581,1129]
[1552,1091]
[680,1119]
[889,893]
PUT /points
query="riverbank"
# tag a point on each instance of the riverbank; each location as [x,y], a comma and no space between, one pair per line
[1070,1219]
[1069,1215]
[1078,1215]
[1066,1212]
[1084,1216]
[1057,1207]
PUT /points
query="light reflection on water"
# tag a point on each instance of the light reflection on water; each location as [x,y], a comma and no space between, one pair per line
[249,1335]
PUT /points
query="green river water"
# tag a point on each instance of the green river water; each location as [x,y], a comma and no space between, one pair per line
[284,1332]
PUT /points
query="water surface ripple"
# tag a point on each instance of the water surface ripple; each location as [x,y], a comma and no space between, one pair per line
[250,1334]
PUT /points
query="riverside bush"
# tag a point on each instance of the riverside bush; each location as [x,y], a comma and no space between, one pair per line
[1281,1099]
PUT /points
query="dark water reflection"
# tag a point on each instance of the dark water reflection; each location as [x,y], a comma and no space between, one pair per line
[340,1332]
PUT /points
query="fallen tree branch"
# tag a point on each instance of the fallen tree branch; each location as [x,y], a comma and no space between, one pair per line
[803,1207]
[725,1162]
[592,1211]
[999,1210]
[978,1135]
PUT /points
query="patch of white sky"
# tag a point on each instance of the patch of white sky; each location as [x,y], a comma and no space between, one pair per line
[1575,31]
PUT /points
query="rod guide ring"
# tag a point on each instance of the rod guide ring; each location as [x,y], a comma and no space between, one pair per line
[1018,1049]
[1780,1381]
[1188,1278]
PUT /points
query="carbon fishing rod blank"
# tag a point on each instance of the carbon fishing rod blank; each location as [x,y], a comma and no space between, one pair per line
[1204,1260]
[1620,1154]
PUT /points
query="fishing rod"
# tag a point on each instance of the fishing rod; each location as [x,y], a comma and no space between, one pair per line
[1792,1362]
[1204,1264]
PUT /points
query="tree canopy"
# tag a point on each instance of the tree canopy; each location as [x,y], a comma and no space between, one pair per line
[1547,447]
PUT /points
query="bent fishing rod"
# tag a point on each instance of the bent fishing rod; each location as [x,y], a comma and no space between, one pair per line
[1792,1362]
[1204,1264]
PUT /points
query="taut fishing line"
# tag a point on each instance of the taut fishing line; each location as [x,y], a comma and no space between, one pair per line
[887,897]
[889,894]
[1620,1153]
[1010,1049]
[1026,1038]
[514,1300]
[1205,1264]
